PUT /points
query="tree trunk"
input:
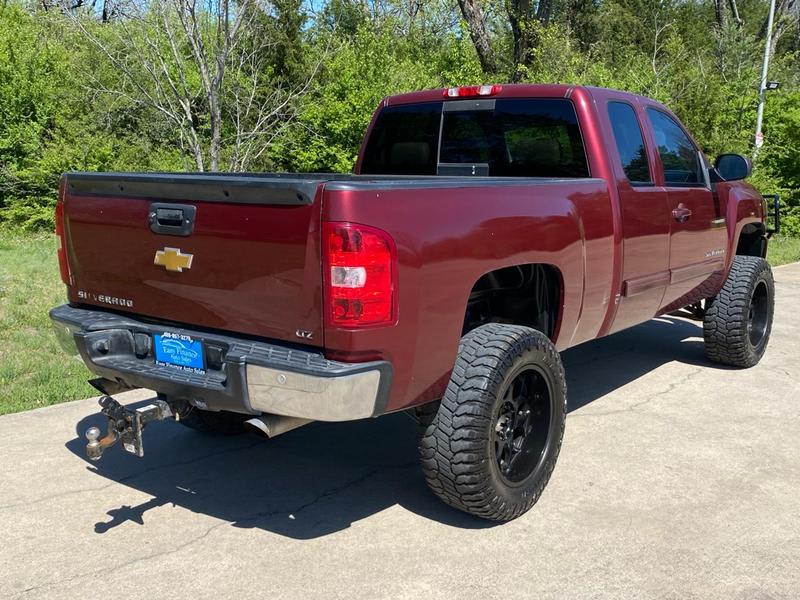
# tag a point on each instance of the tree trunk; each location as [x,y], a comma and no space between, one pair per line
[197,151]
[216,130]
[543,11]
[524,22]
[519,17]
[476,21]
[785,11]
[735,13]
[719,12]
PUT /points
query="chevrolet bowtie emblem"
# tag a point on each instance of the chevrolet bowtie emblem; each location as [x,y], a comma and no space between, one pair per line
[172,259]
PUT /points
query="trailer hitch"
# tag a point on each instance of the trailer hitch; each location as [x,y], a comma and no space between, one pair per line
[124,425]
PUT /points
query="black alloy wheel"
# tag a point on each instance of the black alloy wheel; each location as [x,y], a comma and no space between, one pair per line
[522,425]
[489,446]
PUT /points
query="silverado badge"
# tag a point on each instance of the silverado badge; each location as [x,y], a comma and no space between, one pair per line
[172,259]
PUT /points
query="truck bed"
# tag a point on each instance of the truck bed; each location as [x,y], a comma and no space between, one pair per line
[254,242]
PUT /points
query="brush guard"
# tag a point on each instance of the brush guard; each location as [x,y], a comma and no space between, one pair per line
[773,216]
[125,425]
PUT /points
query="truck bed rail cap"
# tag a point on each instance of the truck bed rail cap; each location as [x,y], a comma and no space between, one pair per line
[438,181]
[239,189]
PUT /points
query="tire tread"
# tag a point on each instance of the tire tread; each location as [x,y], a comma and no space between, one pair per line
[725,320]
[453,435]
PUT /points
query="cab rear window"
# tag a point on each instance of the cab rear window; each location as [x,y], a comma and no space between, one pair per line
[505,138]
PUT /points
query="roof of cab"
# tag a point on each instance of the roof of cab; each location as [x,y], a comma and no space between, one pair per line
[514,90]
[508,90]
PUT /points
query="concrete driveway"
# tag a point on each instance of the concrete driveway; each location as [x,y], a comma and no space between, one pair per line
[677,479]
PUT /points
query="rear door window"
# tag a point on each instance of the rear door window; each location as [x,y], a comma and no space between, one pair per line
[506,138]
[630,143]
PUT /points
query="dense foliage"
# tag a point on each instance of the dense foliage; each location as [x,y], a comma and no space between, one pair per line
[85,90]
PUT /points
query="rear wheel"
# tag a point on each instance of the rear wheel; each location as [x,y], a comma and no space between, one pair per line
[491,444]
[738,321]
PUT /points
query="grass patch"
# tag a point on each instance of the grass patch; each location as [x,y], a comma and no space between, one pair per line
[783,250]
[34,371]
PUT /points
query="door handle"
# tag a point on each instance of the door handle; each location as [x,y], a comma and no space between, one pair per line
[681,214]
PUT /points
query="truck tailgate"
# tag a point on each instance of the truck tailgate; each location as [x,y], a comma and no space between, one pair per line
[250,262]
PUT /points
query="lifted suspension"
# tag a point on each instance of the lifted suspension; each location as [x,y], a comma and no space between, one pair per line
[125,426]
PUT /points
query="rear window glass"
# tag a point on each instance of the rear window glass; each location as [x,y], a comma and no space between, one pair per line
[628,136]
[404,140]
[506,138]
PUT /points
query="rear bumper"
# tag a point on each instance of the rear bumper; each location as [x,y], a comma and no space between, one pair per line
[242,375]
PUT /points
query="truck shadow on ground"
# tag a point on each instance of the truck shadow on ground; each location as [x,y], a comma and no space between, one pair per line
[323,477]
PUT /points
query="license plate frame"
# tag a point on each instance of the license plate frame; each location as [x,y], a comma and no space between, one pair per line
[179,351]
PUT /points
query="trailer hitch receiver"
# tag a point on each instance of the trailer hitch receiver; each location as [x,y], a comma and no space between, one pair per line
[125,425]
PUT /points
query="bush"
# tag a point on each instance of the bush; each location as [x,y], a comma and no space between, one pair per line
[53,118]
[790,215]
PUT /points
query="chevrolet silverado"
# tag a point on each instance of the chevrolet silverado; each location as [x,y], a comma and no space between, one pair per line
[484,230]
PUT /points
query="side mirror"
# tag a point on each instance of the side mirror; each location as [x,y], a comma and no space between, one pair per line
[732,167]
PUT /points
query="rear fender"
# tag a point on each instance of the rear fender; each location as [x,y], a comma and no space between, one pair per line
[449,234]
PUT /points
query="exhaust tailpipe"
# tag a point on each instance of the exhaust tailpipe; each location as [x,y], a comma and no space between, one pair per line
[273,425]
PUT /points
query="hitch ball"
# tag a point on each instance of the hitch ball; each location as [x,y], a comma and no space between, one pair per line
[124,425]
[93,449]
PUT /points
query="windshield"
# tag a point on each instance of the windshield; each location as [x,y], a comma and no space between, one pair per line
[506,138]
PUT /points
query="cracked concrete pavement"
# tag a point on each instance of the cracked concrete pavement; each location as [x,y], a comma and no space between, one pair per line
[677,479]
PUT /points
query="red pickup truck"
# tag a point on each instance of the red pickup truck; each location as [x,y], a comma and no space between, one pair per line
[485,229]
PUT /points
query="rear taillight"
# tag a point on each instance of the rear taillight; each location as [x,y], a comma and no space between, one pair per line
[466,91]
[63,265]
[360,276]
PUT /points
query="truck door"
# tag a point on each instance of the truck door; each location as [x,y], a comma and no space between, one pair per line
[698,236]
[645,220]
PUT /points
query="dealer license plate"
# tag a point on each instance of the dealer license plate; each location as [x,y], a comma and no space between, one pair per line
[177,350]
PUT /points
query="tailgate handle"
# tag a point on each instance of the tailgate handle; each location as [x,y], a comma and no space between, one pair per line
[172,219]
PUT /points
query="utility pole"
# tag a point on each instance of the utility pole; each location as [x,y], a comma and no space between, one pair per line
[762,90]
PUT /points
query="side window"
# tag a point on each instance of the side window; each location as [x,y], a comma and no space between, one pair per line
[630,143]
[679,157]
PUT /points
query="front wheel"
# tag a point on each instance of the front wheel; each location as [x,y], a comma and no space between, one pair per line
[492,443]
[738,321]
